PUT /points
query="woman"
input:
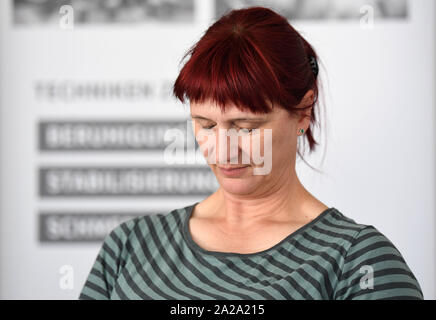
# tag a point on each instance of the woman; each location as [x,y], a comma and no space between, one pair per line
[261,235]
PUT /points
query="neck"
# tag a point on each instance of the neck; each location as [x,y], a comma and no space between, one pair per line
[246,213]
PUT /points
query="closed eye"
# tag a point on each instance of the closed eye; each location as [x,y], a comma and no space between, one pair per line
[245,130]
[208,128]
[248,130]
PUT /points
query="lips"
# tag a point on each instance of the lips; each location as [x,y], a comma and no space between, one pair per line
[232,171]
[231,168]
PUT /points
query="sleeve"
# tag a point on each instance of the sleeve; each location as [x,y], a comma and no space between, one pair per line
[108,263]
[374,269]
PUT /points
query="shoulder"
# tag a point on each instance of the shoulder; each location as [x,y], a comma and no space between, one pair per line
[338,227]
[120,249]
[373,267]
[139,228]
[365,238]
[357,235]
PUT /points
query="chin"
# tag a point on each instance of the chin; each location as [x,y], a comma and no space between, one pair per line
[242,186]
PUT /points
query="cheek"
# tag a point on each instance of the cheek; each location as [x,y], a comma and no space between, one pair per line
[284,148]
[280,146]
[196,128]
[258,147]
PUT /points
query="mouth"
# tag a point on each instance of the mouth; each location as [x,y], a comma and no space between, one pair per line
[231,167]
[232,171]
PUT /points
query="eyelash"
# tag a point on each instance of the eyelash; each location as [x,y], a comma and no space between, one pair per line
[249,130]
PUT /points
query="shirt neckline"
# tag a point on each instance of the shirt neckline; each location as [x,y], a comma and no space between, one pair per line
[195,247]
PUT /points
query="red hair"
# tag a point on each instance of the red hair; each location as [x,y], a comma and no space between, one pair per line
[248,57]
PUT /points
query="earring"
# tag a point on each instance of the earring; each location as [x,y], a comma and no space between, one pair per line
[301,132]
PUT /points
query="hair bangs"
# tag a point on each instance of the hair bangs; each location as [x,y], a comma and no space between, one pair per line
[232,73]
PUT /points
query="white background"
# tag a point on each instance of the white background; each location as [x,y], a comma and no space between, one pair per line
[379,167]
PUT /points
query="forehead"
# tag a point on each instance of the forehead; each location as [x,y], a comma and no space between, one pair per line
[212,111]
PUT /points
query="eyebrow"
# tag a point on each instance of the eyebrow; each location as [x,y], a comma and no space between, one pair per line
[234,119]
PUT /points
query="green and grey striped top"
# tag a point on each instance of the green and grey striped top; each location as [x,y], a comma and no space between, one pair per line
[331,257]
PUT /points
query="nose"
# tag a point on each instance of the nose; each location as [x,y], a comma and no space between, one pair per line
[227,147]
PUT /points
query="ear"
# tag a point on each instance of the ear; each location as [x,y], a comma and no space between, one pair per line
[305,105]
[308,99]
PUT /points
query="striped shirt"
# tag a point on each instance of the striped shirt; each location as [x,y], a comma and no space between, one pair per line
[331,257]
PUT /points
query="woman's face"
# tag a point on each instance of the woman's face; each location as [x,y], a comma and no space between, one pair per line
[267,156]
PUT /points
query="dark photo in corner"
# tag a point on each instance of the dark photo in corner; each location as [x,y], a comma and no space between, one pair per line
[35,12]
[323,9]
